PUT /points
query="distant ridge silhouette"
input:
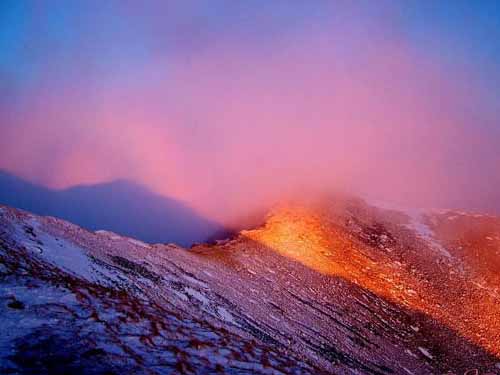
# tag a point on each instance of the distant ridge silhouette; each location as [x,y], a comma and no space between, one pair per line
[120,206]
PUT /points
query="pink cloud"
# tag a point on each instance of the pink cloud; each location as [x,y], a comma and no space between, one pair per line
[233,128]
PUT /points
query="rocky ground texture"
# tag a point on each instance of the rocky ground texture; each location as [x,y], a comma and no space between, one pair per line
[336,286]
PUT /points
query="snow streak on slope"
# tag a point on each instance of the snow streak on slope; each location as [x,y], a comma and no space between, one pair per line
[418,224]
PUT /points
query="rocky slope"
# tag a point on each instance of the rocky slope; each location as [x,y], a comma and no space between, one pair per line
[336,286]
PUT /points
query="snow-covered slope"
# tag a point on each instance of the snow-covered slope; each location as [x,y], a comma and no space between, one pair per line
[334,287]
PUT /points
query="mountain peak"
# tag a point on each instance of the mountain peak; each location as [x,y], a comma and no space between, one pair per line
[121,206]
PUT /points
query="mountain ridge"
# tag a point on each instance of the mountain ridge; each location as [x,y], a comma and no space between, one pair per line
[120,206]
[334,287]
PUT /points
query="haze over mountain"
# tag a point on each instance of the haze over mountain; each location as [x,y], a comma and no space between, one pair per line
[120,206]
[233,105]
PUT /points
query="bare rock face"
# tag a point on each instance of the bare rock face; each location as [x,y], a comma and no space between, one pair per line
[335,287]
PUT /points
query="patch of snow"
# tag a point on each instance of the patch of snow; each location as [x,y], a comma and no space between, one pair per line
[409,352]
[59,252]
[109,234]
[425,352]
[417,223]
[197,295]
[274,317]
[225,315]
[195,281]
[18,323]
[139,243]
[182,296]
[271,271]
[424,231]
[209,274]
